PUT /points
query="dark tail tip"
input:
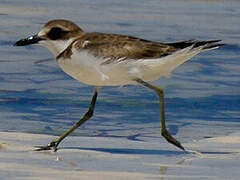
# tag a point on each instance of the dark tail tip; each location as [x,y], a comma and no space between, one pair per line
[212,44]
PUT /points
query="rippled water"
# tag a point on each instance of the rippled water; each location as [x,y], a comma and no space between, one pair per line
[202,96]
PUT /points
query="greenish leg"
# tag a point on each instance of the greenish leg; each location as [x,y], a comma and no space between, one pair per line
[53,145]
[164,130]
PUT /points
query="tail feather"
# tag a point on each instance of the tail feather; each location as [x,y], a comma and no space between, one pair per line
[185,51]
[207,45]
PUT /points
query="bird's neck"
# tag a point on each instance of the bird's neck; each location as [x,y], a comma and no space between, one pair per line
[56,47]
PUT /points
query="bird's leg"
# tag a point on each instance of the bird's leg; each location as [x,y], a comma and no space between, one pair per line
[164,130]
[53,145]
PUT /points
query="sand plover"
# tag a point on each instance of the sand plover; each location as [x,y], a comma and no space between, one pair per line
[102,59]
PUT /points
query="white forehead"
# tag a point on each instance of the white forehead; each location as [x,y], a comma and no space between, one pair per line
[42,32]
[46,29]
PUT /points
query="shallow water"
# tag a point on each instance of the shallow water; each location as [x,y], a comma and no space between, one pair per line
[202,96]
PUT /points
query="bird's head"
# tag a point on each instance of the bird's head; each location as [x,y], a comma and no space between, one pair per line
[56,35]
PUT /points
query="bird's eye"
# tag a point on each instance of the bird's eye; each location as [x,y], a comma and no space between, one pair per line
[56,33]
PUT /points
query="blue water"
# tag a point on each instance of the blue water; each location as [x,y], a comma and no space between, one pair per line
[204,93]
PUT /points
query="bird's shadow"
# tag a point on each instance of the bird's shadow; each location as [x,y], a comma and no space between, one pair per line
[130,151]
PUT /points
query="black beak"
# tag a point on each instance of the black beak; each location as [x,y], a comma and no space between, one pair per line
[29,40]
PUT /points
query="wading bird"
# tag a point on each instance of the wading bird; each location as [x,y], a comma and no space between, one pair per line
[101,59]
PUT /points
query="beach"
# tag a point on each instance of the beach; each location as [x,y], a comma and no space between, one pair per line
[38,101]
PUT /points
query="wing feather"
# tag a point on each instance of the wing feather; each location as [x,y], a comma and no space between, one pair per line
[114,48]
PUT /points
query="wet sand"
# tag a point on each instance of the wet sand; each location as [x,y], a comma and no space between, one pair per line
[111,158]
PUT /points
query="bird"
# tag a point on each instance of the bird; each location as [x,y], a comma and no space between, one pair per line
[104,59]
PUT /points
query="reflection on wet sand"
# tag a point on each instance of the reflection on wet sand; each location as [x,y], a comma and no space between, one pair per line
[163,172]
[2,145]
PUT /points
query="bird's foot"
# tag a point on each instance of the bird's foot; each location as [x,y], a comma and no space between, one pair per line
[171,139]
[51,146]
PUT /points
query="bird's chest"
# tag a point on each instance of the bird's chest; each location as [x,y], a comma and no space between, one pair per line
[83,67]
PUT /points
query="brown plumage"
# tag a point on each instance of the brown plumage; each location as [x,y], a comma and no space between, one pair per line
[114,47]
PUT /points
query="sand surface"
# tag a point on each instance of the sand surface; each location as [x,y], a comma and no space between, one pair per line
[117,158]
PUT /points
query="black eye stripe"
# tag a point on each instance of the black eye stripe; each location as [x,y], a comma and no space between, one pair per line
[56,33]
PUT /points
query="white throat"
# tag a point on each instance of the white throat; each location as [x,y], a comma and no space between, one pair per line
[56,46]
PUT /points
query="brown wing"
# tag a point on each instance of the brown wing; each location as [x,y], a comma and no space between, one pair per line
[113,47]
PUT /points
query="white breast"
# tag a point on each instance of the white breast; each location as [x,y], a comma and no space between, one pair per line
[89,70]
